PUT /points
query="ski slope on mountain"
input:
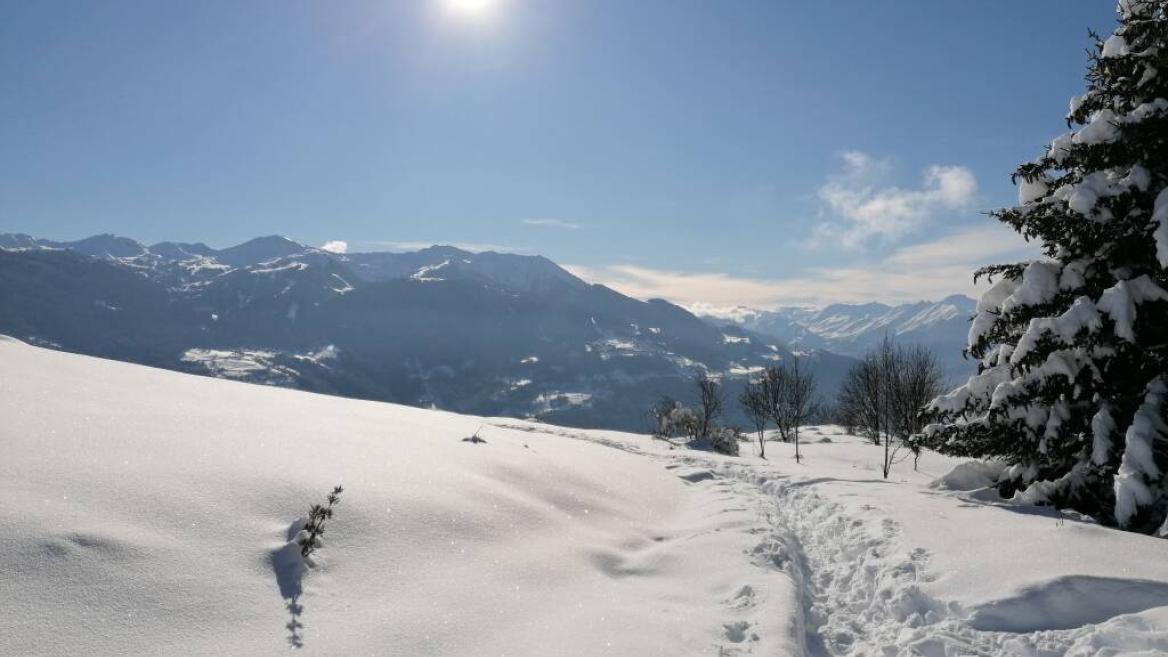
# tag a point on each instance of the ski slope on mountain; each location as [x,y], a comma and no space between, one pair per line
[148,512]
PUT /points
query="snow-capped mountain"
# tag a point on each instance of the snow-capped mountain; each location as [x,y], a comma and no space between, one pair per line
[851,329]
[486,333]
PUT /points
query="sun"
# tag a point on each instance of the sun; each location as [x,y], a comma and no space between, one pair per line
[470,8]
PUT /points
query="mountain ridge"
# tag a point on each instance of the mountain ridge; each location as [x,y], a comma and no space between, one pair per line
[852,329]
[486,333]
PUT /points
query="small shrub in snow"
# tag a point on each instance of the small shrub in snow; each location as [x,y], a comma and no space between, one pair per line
[672,419]
[724,440]
[317,516]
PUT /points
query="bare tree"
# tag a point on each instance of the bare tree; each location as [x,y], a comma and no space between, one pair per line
[885,393]
[920,380]
[711,400]
[789,391]
[801,400]
[861,396]
[776,389]
[755,405]
[888,374]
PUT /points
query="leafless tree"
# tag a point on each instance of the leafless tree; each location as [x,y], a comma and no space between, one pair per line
[776,390]
[885,393]
[789,391]
[861,395]
[919,380]
[801,400]
[711,400]
[888,374]
[754,404]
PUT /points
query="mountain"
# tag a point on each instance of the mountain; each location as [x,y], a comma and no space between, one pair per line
[852,329]
[484,333]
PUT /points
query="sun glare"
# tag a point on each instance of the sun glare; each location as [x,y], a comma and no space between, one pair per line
[470,8]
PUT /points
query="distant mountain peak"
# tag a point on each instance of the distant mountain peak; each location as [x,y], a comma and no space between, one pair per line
[260,249]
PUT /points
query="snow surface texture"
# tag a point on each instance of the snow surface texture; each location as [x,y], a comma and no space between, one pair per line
[150,512]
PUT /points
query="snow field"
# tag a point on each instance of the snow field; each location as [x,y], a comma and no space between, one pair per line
[146,512]
[150,512]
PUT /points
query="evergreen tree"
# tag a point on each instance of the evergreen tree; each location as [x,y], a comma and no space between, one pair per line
[1073,350]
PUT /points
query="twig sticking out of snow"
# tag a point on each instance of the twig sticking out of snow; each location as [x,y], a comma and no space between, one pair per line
[474,438]
[316,517]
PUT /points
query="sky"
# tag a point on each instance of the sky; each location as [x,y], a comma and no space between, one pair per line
[756,152]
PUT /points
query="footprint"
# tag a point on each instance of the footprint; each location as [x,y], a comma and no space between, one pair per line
[737,632]
[693,476]
[744,598]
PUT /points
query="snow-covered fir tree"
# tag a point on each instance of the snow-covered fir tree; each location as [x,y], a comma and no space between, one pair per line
[1072,386]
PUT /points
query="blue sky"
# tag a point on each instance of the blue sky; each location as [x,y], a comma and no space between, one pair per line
[758,152]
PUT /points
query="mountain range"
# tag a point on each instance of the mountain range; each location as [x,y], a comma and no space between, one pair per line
[484,333]
[852,329]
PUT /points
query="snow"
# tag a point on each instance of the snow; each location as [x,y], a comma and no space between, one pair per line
[1115,46]
[1060,147]
[143,511]
[1100,129]
[1083,314]
[1139,464]
[1120,302]
[1031,190]
[424,273]
[1102,427]
[1160,234]
[294,265]
[241,364]
[1040,283]
[151,512]
[548,401]
[973,475]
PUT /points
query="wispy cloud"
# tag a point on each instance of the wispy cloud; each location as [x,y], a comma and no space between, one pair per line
[930,270]
[858,210]
[335,246]
[552,223]
[475,247]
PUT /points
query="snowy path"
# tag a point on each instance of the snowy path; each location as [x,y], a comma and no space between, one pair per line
[861,587]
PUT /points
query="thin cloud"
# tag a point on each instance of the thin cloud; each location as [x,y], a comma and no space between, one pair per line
[931,270]
[474,247]
[335,246]
[859,211]
[552,223]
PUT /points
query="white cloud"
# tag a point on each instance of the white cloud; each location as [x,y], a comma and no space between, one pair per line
[552,223]
[335,246]
[475,247]
[860,211]
[931,270]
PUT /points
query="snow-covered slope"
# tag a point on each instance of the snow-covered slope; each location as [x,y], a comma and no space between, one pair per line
[141,511]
